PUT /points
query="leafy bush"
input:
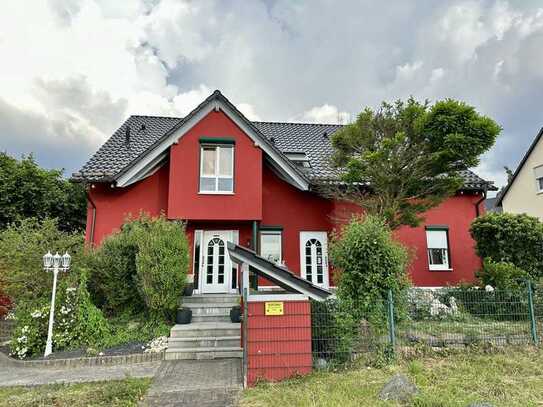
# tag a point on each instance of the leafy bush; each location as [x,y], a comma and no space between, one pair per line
[22,246]
[502,275]
[370,263]
[113,274]
[78,323]
[162,263]
[515,239]
[144,266]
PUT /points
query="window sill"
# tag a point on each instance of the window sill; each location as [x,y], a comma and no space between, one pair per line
[449,270]
[216,193]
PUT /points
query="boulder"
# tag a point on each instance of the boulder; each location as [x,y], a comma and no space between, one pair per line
[480,404]
[398,388]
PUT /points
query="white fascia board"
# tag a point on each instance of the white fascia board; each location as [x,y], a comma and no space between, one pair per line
[146,171]
[131,175]
[300,289]
[299,182]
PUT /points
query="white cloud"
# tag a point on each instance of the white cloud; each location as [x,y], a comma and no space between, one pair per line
[77,68]
[325,114]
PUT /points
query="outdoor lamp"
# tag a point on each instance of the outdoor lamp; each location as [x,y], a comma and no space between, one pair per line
[56,260]
[66,261]
[47,260]
[54,263]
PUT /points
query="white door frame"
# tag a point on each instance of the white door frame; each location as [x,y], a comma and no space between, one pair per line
[322,237]
[226,287]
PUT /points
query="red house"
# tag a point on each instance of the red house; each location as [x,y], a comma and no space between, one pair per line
[240,184]
[253,183]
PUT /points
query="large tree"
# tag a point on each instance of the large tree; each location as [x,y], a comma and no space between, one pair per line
[26,190]
[405,157]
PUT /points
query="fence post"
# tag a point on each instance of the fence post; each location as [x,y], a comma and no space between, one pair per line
[531,312]
[391,328]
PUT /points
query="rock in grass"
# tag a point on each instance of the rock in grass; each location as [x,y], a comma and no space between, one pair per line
[398,388]
[480,404]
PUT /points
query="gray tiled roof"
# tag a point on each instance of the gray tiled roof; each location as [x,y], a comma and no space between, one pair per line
[309,138]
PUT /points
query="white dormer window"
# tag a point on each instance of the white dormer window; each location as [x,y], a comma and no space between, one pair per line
[538,172]
[217,169]
[300,159]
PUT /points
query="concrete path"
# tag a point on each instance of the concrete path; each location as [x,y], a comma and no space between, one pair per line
[31,376]
[201,383]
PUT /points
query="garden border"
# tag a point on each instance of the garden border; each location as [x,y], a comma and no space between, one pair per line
[114,360]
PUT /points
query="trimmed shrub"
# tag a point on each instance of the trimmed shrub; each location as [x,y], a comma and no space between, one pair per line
[510,238]
[162,263]
[142,267]
[502,275]
[22,246]
[370,263]
[113,280]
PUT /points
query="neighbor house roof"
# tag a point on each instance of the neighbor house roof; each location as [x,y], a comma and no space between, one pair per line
[146,133]
[504,191]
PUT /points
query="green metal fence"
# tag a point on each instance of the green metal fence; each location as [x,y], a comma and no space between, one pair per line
[456,317]
[437,318]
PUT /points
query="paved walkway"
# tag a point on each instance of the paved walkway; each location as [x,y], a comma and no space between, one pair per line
[201,383]
[31,376]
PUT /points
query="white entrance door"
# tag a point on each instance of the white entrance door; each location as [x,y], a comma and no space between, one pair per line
[216,270]
[314,257]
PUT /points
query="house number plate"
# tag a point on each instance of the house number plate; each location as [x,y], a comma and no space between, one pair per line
[274,308]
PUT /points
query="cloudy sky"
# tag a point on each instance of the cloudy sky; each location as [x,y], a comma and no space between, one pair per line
[72,70]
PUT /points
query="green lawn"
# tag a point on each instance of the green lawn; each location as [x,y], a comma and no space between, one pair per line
[512,378]
[114,393]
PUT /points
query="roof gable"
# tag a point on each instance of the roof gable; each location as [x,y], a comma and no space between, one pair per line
[504,192]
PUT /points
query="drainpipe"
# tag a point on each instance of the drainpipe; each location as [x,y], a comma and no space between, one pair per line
[93,223]
[254,243]
[477,211]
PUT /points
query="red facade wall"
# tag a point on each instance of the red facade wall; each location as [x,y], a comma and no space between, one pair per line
[278,346]
[115,205]
[457,213]
[296,211]
[185,202]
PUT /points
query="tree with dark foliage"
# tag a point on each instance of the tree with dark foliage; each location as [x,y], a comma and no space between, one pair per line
[26,190]
[405,158]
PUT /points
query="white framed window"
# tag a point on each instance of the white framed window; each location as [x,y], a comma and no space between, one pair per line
[538,172]
[438,249]
[271,245]
[217,169]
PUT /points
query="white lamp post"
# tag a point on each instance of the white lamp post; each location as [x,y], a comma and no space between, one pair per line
[54,263]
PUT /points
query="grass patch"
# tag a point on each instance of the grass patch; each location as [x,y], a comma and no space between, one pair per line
[113,393]
[127,328]
[511,378]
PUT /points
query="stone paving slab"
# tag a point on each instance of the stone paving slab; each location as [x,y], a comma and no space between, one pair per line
[30,376]
[202,383]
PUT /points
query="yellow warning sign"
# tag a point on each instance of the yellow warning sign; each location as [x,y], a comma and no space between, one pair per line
[274,308]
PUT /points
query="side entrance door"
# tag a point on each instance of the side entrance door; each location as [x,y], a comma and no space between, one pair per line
[314,257]
[216,265]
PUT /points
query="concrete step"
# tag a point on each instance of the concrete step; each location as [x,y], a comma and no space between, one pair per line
[196,305]
[210,310]
[210,298]
[205,329]
[203,353]
[210,318]
[218,342]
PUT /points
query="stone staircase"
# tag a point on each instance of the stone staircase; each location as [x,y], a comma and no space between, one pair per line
[210,335]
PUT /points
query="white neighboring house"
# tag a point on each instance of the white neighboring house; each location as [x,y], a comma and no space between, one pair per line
[524,192]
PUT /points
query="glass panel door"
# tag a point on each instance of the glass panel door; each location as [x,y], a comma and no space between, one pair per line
[314,257]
